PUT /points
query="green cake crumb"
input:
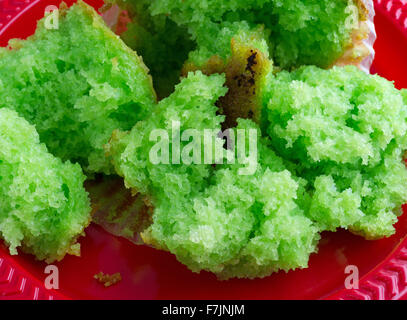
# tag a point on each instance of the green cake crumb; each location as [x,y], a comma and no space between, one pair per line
[44,207]
[345,132]
[76,84]
[210,217]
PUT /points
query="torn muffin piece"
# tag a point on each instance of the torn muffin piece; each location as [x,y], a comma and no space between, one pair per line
[209,214]
[242,55]
[345,132]
[76,83]
[44,207]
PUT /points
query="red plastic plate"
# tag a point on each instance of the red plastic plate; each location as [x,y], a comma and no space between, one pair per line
[151,274]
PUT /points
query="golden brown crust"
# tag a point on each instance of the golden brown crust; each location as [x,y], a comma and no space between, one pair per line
[357,50]
[245,70]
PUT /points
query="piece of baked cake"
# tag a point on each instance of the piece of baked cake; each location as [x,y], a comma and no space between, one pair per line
[76,83]
[44,207]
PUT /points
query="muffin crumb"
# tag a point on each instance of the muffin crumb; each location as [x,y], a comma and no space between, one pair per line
[108,280]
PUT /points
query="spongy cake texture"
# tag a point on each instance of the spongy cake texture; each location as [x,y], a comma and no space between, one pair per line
[43,204]
[346,133]
[213,218]
[330,143]
[312,32]
[77,84]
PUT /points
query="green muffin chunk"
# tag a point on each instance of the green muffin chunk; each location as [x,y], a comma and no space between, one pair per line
[300,32]
[345,133]
[44,207]
[287,34]
[213,217]
[76,83]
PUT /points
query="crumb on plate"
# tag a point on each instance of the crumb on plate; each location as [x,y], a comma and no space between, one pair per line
[108,279]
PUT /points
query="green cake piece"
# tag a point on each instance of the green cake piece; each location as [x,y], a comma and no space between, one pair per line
[44,207]
[77,84]
[193,106]
[213,217]
[261,214]
[316,32]
[346,133]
